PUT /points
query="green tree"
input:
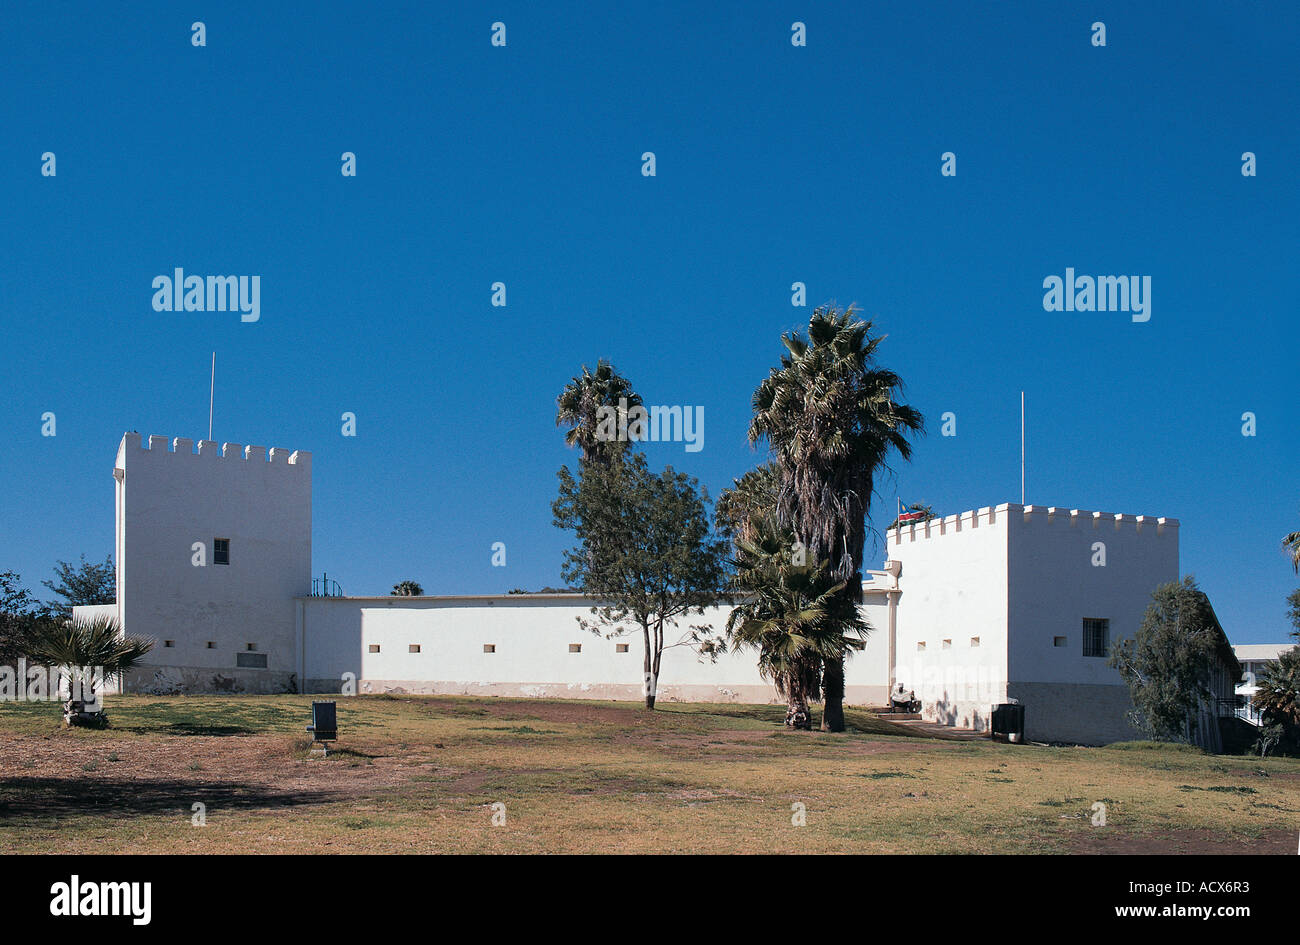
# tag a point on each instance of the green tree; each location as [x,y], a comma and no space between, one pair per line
[79,647]
[579,407]
[407,589]
[645,552]
[793,614]
[1169,663]
[82,584]
[20,612]
[832,418]
[1277,694]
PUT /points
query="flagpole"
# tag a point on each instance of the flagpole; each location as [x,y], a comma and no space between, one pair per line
[1022,447]
[212,387]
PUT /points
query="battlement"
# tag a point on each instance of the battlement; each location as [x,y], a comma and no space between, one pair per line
[209,450]
[1009,512]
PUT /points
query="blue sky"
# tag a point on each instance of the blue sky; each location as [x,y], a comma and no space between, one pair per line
[775,164]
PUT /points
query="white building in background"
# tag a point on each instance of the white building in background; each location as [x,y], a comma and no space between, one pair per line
[972,610]
[1253,656]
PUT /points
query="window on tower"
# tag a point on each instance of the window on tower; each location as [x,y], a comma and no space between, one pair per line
[1096,636]
[221,551]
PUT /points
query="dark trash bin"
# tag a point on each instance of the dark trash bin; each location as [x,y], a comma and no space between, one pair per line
[324,725]
[1009,722]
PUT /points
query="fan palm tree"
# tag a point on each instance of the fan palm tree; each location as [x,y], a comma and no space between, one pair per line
[751,496]
[832,418]
[1278,693]
[794,615]
[407,589]
[86,651]
[926,511]
[579,404]
[1291,545]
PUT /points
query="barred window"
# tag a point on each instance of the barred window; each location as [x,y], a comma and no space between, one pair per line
[1096,636]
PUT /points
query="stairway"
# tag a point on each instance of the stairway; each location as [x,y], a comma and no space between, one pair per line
[889,716]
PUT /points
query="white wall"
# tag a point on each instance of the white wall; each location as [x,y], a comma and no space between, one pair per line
[954,587]
[167,501]
[532,634]
[1014,577]
[1017,577]
[1053,586]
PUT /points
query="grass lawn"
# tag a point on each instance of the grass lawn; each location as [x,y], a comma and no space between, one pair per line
[421,774]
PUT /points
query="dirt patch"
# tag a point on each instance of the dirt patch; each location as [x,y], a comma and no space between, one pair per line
[514,710]
[1113,840]
[255,766]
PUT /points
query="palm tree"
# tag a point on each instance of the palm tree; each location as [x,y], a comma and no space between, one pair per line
[794,615]
[832,418]
[86,651]
[1278,693]
[407,589]
[927,513]
[750,497]
[1291,545]
[579,405]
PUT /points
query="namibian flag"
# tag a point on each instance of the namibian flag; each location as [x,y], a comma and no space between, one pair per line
[908,516]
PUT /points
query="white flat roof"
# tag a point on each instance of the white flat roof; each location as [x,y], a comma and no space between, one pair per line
[1261,651]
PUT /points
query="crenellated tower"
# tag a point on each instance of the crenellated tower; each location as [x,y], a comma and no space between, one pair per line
[212,547]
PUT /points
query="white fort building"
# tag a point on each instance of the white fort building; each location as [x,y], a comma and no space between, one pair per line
[1005,603]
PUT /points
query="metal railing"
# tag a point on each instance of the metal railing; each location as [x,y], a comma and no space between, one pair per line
[1248,713]
[1227,708]
[323,586]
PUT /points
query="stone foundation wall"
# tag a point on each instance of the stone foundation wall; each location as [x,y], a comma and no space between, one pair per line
[1079,713]
[174,680]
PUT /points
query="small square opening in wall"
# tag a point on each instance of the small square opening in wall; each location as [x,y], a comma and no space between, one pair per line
[974,641]
[1060,641]
[251,647]
[374,648]
[169,642]
[920,645]
[575,647]
[221,551]
[413,648]
[620,648]
[489,647]
[947,644]
[212,645]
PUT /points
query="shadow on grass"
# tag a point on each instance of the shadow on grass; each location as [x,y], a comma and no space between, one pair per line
[187,728]
[58,800]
